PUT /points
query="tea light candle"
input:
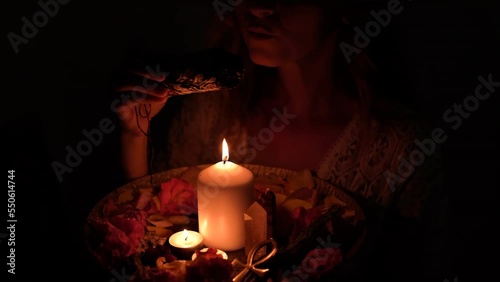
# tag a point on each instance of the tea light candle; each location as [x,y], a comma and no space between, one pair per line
[204,250]
[225,190]
[184,243]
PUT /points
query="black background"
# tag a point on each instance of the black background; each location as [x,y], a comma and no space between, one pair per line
[55,87]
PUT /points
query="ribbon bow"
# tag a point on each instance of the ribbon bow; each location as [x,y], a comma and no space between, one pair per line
[250,265]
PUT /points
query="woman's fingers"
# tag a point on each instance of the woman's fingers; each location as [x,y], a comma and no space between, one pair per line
[137,94]
[125,109]
[146,99]
[143,82]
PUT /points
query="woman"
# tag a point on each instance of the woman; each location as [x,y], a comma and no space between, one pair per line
[303,107]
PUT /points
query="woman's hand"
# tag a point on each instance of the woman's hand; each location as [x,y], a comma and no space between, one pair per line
[138,97]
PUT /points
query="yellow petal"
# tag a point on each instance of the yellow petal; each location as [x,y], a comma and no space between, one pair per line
[178,219]
[303,179]
[302,194]
[333,200]
[160,261]
[125,197]
[280,198]
[159,220]
[160,231]
[292,204]
[156,200]
[348,214]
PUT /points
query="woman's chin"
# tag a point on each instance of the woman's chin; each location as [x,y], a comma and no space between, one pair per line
[266,59]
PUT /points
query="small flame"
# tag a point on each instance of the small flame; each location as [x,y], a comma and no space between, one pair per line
[185,235]
[225,151]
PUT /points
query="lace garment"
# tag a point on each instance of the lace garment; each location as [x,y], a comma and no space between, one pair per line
[390,170]
[385,164]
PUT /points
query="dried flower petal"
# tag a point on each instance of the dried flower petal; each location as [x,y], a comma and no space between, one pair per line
[177,196]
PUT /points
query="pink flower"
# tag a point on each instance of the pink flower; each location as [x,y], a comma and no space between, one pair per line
[118,236]
[177,196]
[128,232]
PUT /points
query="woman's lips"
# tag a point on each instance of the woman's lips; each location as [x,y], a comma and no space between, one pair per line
[259,36]
[259,33]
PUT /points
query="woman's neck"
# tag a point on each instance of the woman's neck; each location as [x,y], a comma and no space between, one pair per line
[307,88]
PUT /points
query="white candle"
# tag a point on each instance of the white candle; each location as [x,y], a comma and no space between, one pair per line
[225,190]
[186,240]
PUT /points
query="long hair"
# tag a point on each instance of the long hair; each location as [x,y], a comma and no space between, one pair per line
[357,78]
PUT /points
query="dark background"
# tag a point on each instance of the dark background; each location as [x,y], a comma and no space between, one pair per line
[55,87]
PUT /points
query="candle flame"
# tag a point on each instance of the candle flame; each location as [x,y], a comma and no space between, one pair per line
[225,151]
[185,235]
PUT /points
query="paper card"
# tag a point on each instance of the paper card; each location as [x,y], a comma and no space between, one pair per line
[255,228]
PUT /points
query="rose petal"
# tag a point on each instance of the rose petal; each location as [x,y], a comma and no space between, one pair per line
[177,196]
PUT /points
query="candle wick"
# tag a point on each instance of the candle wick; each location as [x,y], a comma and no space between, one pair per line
[225,160]
[185,239]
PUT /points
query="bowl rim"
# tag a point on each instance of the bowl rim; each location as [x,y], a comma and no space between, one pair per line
[324,188]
